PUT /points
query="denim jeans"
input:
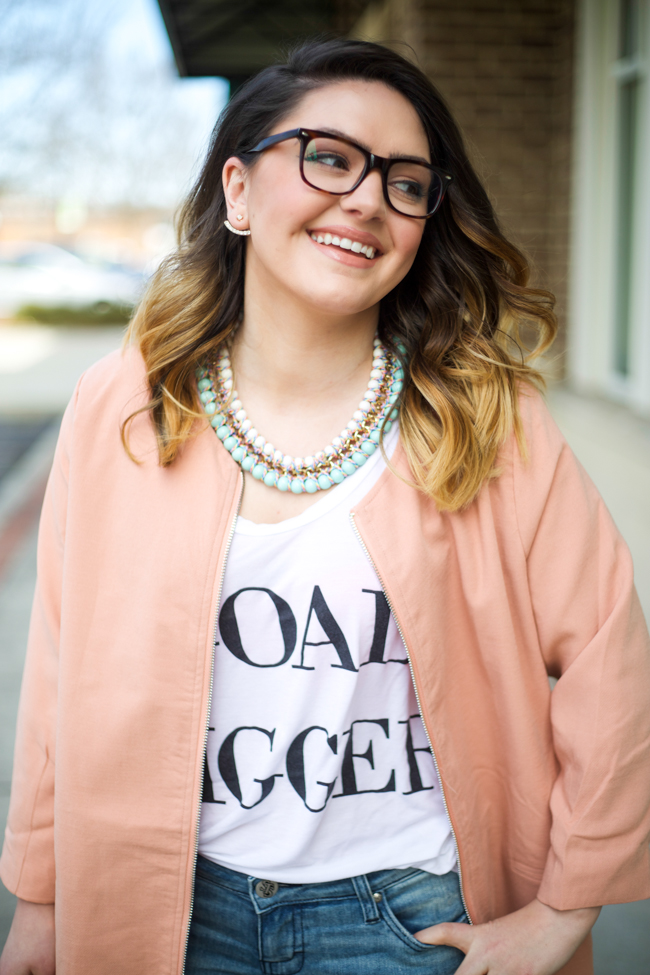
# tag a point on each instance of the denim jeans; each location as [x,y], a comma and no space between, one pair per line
[359,926]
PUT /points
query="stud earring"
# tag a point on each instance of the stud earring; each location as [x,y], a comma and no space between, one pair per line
[239,216]
[233,230]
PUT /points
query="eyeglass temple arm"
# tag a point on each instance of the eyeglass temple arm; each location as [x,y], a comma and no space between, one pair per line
[272,140]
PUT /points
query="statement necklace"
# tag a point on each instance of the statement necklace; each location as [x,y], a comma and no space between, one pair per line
[341,458]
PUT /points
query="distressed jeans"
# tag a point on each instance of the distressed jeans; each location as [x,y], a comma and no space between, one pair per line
[358,926]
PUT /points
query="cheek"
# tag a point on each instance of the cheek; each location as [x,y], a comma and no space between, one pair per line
[406,241]
[280,199]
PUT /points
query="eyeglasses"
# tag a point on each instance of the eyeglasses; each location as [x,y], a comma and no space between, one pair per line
[336,165]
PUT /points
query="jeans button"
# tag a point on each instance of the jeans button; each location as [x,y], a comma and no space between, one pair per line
[266,888]
[376,896]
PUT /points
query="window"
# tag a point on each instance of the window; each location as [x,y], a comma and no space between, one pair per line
[628,75]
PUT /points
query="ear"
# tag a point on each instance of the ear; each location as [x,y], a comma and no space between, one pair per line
[235,192]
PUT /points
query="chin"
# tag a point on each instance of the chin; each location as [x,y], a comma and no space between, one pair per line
[338,296]
[335,303]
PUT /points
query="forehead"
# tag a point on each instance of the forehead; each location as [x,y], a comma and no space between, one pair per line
[367,112]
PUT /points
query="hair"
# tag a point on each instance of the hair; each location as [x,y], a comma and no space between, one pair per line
[454,319]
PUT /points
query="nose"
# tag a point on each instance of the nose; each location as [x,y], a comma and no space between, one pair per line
[368,199]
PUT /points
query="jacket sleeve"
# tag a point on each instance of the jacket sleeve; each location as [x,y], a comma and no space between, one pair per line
[594,640]
[27,863]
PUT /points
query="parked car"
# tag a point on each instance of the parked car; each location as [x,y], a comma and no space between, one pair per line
[50,276]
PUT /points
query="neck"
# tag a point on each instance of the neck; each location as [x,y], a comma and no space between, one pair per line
[296,352]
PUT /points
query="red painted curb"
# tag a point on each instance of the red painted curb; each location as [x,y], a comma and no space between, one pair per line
[20,523]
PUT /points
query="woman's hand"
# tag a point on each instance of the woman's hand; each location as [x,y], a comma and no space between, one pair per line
[537,940]
[30,946]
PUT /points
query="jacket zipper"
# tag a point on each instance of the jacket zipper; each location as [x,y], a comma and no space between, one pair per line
[417,698]
[207,718]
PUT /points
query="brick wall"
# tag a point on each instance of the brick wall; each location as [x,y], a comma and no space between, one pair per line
[505,68]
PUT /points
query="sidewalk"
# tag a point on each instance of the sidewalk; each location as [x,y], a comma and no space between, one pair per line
[39,366]
[613,446]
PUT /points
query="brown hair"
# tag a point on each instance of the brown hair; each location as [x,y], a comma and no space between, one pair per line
[457,313]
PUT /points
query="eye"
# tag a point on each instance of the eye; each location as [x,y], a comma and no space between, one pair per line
[408,188]
[328,158]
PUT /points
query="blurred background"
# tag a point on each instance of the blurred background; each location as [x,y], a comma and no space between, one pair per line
[106,110]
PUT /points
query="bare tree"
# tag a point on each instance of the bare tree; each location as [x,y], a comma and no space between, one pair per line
[76,117]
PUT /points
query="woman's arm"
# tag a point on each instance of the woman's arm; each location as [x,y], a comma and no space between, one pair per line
[593,638]
[537,940]
[27,862]
[29,949]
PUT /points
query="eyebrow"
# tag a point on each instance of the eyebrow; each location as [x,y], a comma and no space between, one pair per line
[393,155]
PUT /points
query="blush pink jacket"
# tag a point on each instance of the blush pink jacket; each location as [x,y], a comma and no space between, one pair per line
[548,792]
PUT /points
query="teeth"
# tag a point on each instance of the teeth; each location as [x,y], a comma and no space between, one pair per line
[345,243]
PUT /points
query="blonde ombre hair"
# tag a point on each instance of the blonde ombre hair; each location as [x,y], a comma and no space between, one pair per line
[457,313]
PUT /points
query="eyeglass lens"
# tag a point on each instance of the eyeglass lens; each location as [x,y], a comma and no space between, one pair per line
[335,166]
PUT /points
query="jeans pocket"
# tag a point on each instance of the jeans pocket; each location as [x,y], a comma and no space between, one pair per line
[398,928]
[419,902]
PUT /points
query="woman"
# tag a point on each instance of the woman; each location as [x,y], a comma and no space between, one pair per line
[238,644]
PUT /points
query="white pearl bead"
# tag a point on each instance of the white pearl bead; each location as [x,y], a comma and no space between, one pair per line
[358,415]
[319,456]
[236,403]
[251,435]
[330,450]
[259,441]
[246,425]
[337,441]
[227,384]
[240,414]
[287,460]
[269,449]
[226,373]
[309,461]
[353,425]
[371,396]
[278,456]
[376,374]
[298,462]
[364,405]
[373,384]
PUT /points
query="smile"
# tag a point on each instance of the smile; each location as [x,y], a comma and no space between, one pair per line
[345,243]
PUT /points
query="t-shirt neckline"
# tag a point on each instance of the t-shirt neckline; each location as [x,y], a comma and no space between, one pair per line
[331,499]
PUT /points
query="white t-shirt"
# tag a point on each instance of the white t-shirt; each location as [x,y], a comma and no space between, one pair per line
[317,763]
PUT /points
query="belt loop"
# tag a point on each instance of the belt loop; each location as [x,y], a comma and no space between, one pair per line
[367,901]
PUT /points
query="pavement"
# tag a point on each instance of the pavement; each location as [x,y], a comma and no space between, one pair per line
[38,370]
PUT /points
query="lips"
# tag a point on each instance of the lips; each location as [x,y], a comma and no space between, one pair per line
[346,239]
[345,243]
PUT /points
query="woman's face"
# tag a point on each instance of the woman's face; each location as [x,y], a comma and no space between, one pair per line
[283,212]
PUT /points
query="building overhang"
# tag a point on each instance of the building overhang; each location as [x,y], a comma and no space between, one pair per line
[234,39]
